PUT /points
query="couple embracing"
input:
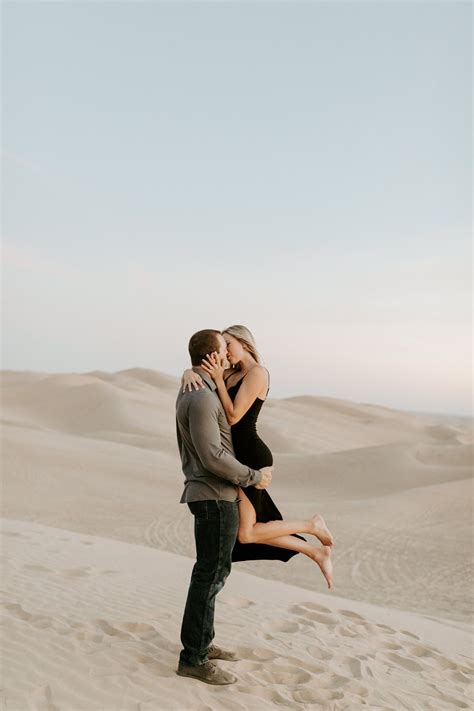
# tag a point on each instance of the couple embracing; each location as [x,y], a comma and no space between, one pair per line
[228,469]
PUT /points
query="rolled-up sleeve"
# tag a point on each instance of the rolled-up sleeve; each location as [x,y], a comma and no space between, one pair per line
[206,437]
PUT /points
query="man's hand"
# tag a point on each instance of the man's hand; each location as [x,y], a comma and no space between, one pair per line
[266,478]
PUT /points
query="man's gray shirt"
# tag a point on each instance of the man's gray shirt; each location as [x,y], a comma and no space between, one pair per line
[205,445]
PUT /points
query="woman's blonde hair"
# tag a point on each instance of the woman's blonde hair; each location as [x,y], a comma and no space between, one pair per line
[243,335]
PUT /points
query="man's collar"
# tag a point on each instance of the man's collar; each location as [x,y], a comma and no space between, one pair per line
[205,376]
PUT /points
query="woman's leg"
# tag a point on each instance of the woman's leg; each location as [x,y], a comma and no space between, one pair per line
[320,555]
[251,531]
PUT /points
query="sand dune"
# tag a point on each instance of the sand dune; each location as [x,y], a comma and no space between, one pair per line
[94,624]
[447,455]
[95,454]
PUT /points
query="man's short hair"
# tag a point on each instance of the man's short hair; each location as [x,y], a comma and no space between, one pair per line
[201,343]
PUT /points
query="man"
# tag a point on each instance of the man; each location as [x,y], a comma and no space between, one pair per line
[212,476]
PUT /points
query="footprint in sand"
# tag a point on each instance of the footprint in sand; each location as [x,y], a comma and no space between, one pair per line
[154,666]
[281,626]
[238,603]
[352,615]
[332,680]
[404,662]
[77,572]
[38,568]
[86,633]
[409,634]
[386,628]
[274,674]
[445,663]
[346,631]
[72,572]
[321,618]
[356,689]
[460,677]
[259,653]
[263,692]
[87,543]
[312,612]
[317,696]
[140,629]
[354,666]
[42,698]
[453,701]
[418,650]
[108,629]
[303,607]
[16,610]
[309,666]
[317,652]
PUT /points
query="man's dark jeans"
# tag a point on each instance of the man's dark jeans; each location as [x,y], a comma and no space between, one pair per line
[215,531]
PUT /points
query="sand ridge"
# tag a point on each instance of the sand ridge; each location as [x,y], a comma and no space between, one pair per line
[94,623]
[97,552]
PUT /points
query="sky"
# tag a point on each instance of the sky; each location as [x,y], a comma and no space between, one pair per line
[302,168]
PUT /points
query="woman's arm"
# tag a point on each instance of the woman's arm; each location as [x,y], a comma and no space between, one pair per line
[190,379]
[227,372]
[253,383]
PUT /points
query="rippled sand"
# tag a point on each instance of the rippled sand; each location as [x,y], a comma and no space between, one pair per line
[97,554]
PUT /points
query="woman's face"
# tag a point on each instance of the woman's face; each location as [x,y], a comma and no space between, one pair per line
[235,350]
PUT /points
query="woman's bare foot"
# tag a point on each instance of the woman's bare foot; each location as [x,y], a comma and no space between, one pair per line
[321,531]
[322,556]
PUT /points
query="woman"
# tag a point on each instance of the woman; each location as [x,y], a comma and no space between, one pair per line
[242,389]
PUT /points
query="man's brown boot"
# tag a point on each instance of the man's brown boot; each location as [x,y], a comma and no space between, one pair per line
[208,672]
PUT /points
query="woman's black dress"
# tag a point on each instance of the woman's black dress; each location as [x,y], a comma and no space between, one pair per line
[252,451]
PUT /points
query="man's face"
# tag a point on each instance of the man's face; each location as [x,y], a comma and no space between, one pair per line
[222,352]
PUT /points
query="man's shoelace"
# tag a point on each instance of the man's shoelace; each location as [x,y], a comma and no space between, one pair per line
[210,666]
